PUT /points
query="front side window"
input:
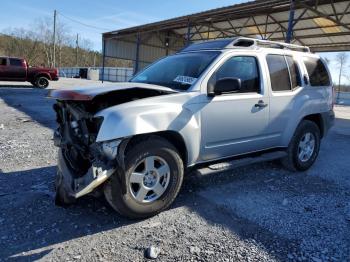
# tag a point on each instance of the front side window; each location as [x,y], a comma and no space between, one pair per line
[15,62]
[279,74]
[242,67]
[178,71]
[317,72]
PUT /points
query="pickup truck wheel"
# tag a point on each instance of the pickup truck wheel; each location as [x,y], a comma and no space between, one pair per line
[41,82]
[153,174]
[303,148]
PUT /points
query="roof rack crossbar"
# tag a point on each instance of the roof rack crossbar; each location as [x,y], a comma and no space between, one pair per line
[243,42]
[271,44]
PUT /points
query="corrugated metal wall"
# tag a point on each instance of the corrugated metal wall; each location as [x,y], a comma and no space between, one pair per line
[152,46]
[120,49]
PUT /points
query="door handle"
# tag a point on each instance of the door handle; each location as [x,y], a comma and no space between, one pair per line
[260,104]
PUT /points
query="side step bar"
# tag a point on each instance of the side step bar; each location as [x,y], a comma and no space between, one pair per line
[229,165]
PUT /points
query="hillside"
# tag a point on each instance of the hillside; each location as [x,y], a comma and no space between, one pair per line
[38,53]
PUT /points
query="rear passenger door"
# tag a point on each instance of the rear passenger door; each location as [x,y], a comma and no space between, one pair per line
[285,84]
[17,69]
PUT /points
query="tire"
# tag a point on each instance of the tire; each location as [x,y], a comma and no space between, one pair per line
[41,82]
[62,198]
[169,164]
[297,159]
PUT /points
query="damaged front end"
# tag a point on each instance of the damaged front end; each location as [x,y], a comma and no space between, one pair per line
[83,164]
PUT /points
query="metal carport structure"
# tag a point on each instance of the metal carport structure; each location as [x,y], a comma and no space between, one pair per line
[321,25]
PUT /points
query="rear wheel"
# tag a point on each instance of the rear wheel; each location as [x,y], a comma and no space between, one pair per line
[153,176]
[303,148]
[41,82]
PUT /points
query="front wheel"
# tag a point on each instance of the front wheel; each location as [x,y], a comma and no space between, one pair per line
[153,176]
[304,147]
[62,197]
[41,82]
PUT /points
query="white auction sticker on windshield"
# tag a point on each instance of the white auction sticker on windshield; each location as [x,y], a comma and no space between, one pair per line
[185,80]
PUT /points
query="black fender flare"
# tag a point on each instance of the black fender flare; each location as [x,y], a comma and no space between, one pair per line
[120,169]
[47,75]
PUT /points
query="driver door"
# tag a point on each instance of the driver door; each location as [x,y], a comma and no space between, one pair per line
[236,123]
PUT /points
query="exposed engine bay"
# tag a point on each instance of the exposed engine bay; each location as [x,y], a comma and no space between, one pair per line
[88,164]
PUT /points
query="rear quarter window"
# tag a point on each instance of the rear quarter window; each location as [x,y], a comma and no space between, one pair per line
[317,72]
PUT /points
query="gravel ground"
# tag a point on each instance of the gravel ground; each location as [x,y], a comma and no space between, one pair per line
[256,213]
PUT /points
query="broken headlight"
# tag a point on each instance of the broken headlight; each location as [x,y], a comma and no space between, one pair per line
[110,148]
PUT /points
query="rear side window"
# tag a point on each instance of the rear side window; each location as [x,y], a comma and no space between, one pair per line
[294,72]
[15,62]
[317,72]
[279,73]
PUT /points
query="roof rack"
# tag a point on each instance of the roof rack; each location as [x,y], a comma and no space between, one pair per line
[242,42]
[253,42]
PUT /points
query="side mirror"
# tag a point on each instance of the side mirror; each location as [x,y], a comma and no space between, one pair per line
[224,86]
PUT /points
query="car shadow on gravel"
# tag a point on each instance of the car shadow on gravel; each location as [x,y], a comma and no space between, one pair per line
[30,221]
[17,86]
[288,215]
[32,102]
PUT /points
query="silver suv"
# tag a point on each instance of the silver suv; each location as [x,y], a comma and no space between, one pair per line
[215,103]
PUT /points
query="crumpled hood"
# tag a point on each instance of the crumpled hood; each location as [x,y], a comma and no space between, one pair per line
[89,93]
[154,114]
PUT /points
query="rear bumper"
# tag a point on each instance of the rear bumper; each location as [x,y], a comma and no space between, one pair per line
[55,78]
[328,121]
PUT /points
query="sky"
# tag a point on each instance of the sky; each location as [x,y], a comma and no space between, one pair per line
[108,15]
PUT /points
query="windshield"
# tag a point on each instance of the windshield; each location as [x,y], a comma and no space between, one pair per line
[177,71]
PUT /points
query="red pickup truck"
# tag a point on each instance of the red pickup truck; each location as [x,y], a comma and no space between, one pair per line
[17,69]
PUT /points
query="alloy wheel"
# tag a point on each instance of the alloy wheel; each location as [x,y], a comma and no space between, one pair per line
[306,147]
[149,179]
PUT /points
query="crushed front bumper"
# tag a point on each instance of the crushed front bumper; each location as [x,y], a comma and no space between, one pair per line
[80,186]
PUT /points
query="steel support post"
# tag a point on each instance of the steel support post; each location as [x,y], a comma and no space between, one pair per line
[290,22]
[137,58]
